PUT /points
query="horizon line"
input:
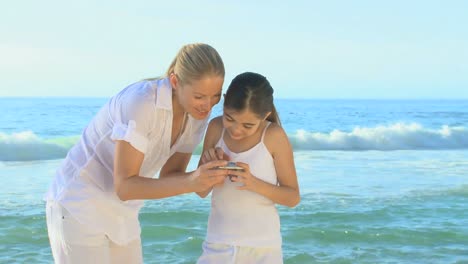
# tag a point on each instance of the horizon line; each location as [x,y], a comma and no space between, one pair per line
[280,98]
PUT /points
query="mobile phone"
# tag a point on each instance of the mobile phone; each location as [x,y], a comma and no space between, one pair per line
[230,166]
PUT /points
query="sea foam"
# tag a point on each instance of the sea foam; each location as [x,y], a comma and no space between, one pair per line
[26,146]
[399,136]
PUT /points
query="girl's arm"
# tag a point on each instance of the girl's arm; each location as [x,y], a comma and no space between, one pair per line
[287,192]
[209,152]
[128,185]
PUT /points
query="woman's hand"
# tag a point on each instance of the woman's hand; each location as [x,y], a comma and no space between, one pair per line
[249,181]
[207,175]
[214,154]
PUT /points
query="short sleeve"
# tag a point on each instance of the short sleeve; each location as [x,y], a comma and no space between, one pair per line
[132,113]
[129,133]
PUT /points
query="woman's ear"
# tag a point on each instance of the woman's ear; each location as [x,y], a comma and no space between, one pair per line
[173,80]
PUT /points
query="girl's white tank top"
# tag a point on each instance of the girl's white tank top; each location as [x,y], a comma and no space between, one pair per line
[242,217]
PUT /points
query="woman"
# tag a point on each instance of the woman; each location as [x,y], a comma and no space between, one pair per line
[150,126]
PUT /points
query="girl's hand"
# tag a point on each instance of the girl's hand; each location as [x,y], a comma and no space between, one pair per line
[206,176]
[245,177]
[213,154]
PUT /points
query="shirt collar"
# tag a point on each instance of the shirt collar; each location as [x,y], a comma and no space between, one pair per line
[164,94]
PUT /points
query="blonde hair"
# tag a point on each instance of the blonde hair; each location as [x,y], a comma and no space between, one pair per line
[195,61]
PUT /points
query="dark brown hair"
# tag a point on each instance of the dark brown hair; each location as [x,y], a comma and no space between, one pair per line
[251,91]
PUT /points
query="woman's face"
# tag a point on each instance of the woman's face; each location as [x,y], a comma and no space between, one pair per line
[240,125]
[198,97]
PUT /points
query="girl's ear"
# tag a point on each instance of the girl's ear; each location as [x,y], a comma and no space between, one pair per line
[173,80]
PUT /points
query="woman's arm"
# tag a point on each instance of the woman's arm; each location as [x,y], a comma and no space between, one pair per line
[129,185]
[175,165]
[287,192]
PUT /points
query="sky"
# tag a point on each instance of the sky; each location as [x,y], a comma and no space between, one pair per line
[307,49]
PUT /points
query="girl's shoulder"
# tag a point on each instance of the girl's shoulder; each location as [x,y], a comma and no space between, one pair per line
[214,130]
[274,131]
[275,138]
[216,124]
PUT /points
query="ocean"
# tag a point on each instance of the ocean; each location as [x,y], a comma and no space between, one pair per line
[382,181]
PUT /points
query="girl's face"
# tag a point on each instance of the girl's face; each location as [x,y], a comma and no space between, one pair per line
[240,125]
[198,97]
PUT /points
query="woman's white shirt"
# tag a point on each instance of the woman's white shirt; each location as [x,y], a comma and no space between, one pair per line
[141,114]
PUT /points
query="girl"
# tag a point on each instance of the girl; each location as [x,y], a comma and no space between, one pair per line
[244,225]
[150,126]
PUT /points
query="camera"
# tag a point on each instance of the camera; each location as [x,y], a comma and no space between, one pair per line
[230,166]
